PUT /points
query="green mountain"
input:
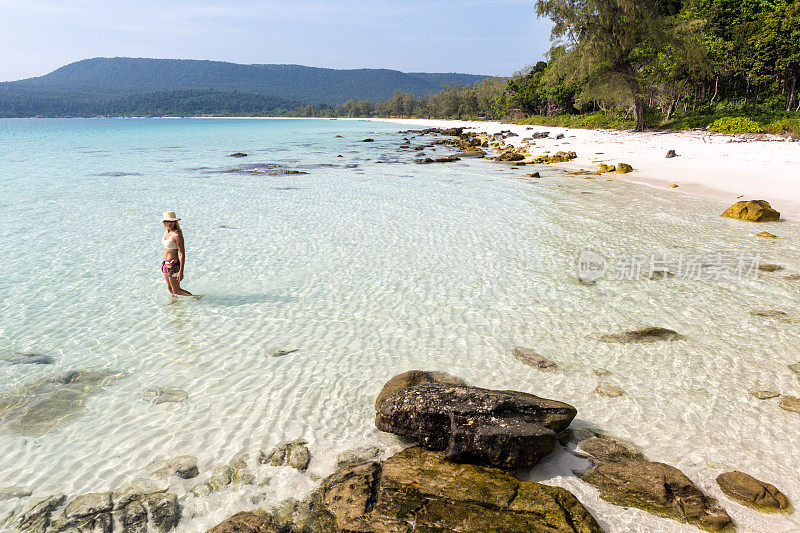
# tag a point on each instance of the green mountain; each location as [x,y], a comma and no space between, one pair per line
[126,86]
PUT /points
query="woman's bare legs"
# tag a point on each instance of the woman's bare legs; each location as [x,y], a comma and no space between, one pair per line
[175,287]
[169,281]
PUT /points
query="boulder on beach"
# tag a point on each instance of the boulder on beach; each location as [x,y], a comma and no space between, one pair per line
[420,490]
[767,235]
[651,334]
[237,154]
[368,140]
[624,168]
[625,477]
[507,429]
[411,378]
[753,211]
[752,492]
[558,157]
[671,154]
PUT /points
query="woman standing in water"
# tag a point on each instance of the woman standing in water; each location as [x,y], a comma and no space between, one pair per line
[174,254]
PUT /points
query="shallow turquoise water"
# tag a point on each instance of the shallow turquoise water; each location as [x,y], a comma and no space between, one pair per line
[367,271]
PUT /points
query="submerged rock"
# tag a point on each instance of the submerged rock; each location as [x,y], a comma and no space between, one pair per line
[282,352]
[357,456]
[246,522]
[8,493]
[625,477]
[531,358]
[159,395]
[20,358]
[770,313]
[753,211]
[790,403]
[608,390]
[183,466]
[411,378]
[39,407]
[290,453]
[419,490]
[37,518]
[752,492]
[501,428]
[139,506]
[368,140]
[764,394]
[652,334]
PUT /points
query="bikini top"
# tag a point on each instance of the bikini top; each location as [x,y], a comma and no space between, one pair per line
[169,244]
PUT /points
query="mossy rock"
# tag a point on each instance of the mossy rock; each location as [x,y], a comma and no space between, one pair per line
[624,168]
[752,492]
[753,211]
[419,490]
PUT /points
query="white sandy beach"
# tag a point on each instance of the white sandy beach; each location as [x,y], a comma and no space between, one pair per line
[721,167]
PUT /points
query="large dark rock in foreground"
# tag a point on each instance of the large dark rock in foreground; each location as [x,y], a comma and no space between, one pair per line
[627,478]
[420,491]
[411,378]
[502,428]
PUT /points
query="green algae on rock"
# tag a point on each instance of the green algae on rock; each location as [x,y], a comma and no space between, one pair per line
[625,477]
[420,490]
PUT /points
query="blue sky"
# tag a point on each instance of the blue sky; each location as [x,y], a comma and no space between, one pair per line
[495,37]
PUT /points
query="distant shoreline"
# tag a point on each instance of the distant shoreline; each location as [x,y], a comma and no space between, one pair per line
[721,167]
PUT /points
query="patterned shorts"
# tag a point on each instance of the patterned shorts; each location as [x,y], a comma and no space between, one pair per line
[171,267]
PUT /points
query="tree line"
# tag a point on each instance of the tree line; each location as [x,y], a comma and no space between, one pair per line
[645,63]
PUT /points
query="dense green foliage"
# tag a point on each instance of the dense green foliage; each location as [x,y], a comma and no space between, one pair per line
[481,100]
[113,86]
[171,103]
[673,64]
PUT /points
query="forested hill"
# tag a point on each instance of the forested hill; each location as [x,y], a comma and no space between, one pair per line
[124,85]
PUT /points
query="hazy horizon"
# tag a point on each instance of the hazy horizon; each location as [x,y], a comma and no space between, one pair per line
[435,36]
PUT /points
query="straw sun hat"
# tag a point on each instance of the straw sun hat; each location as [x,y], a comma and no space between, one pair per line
[169,216]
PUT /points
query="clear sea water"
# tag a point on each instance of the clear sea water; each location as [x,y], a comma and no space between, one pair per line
[366,271]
